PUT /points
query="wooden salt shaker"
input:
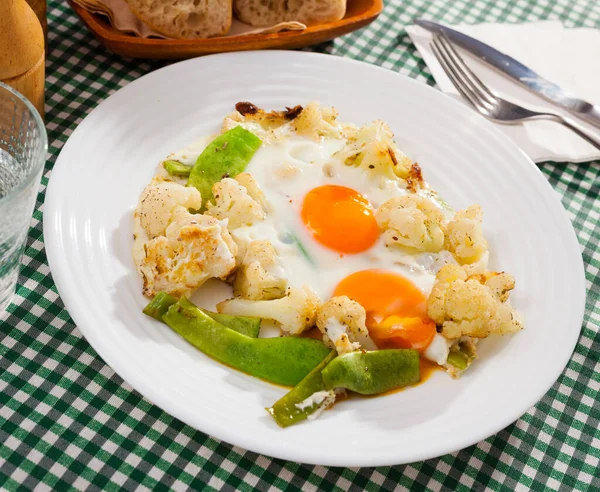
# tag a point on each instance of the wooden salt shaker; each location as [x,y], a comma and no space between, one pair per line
[22,51]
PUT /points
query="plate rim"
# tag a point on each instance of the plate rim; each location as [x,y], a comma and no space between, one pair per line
[52,245]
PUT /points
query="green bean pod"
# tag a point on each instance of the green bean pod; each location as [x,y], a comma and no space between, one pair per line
[370,373]
[159,305]
[245,325]
[176,168]
[226,156]
[242,324]
[282,360]
[285,412]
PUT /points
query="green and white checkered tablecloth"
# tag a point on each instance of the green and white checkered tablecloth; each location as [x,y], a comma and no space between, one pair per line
[68,421]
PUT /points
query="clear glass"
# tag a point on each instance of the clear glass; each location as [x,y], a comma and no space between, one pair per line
[23,147]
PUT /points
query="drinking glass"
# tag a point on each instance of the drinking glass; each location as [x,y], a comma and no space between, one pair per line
[23,147]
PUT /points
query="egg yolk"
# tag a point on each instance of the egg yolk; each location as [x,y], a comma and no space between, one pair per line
[340,218]
[396,308]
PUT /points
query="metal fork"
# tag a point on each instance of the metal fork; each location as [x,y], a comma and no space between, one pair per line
[484,100]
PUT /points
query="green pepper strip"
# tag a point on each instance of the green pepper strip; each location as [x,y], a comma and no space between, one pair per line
[226,155]
[285,412]
[176,168]
[282,360]
[242,324]
[369,373]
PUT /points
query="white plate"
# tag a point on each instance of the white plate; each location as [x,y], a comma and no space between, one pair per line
[112,155]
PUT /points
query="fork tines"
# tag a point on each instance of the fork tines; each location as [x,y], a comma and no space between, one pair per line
[463,78]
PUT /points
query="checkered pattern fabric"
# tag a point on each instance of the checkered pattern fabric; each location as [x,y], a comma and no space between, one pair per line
[68,421]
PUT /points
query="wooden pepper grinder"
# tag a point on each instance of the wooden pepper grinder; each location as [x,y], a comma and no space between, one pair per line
[39,7]
[22,51]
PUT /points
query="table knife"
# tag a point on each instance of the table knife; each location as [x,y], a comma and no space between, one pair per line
[519,72]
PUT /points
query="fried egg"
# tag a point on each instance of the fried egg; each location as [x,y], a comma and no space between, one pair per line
[322,225]
[329,226]
[321,220]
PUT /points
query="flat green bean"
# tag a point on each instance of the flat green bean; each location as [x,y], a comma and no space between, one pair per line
[285,412]
[159,305]
[176,168]
[281,360]
[226,156]
[162,301]
[370,373]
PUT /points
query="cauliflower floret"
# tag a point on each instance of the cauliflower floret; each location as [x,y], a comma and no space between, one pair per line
[500,283]
[477,268]
[233,202]
[260,277]
[242,240]
[157,202]
[334,335]
[469,306]
[248,182]
[268,126]
[295,312]
[194,249]
[342,322]
[372,147]
[412,223]
[315,122]
[464,237]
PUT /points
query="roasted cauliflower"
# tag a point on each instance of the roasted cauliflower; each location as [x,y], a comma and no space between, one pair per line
[342,322]
[372,147]
[158,200]
[254,191]
[464,237]
[295,312]
[268,126]
[475,306]
[193,249]
[233,202]
[479,267]
[500,283]
[315,122]
[412,223]
[260,276]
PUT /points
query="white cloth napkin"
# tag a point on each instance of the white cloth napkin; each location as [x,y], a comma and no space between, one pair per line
[568,57]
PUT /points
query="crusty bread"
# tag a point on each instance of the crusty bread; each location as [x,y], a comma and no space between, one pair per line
[268,12]
[184,18]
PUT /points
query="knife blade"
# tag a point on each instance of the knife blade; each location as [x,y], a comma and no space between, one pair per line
[519,73]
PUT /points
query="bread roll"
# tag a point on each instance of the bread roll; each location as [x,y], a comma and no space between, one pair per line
[268,12]
[184,19]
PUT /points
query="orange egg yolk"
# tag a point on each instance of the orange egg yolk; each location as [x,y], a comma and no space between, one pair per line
[396,308]
[340,218]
